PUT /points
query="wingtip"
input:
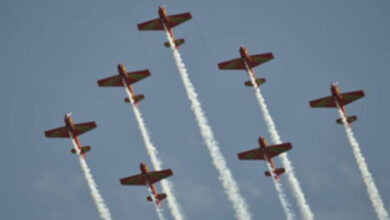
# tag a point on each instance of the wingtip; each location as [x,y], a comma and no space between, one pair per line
[122,181]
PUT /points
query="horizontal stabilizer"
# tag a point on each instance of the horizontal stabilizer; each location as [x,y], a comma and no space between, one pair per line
[178,42]
[258,82]
[84,149]
[137,98]
[350,119]
[159,197]
[277,172]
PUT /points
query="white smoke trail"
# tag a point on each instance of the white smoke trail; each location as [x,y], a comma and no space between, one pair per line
[97,198]
[304,207]
[372,190]
[103,211]
[159,210]
[225,175]
[166,185]
[282,196]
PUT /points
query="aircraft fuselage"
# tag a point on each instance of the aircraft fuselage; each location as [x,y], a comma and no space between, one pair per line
[334,89]
[123,73]
[245,56]
[71,129]
[263,147]
[145,171]
[162,12]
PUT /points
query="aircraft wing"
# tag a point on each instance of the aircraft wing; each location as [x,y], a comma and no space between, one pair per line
[138,75]
[60,132]
[238,64]
[326,102]
[141,180]
[260,59]
[235,64]
[275,150]
[152,25]
[351,96]
[157,24]
[175,20]
[84,127]
[117,79]
[111,81]
[255,154]
[159,175]
[134,180]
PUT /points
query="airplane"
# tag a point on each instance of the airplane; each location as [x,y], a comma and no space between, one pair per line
[71,130]
[169,21]
[148,178]
[341,99]
[247,62]
[265,152]
[126,79]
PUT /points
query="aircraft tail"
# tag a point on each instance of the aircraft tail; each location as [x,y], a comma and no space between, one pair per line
[178,42]
[259,81]
[137,98]
[160,197]
[277,171]
[350,119]
[84,149]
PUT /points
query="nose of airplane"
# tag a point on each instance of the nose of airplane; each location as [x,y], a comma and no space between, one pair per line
[143,166]
[121,67]
[262,141]
[161,9]
[68,115]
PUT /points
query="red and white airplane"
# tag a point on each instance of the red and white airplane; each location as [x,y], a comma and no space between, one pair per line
[169,21]
[148,178]
[126,79]
[247,62]
[341,98]
[71,130]
[266,153]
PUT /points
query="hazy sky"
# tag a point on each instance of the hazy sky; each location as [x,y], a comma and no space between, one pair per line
[53,52]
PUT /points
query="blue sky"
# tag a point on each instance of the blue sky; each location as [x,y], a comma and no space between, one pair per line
[53,52]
